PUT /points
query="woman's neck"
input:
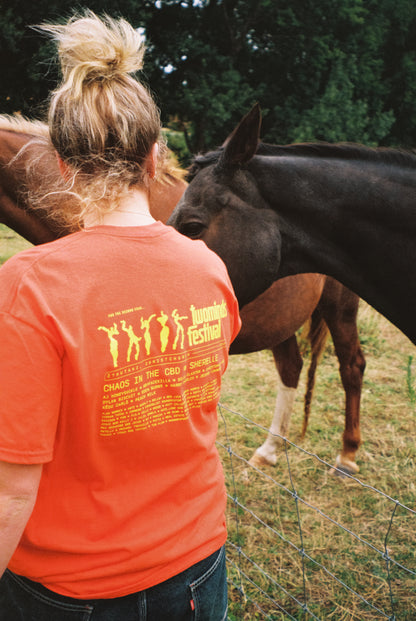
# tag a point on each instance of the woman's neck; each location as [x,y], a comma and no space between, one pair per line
[132,210]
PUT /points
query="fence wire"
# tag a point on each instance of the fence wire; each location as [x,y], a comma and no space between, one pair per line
[272,576]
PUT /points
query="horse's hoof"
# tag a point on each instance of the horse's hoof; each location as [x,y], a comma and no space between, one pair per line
[258,461]
[344,467]
[339,471]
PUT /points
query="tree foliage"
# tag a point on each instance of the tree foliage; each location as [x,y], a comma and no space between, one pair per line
[321,69]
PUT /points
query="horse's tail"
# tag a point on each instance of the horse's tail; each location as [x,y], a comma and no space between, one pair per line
[317,336]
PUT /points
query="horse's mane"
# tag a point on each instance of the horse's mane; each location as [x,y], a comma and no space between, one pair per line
[21,125]
[342,150]
[345,151]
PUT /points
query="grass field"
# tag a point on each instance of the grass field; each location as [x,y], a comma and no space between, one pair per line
[387,463]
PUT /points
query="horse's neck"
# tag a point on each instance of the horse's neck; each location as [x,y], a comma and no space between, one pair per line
[344,208]
[354,222]
[11,142]
[14,207]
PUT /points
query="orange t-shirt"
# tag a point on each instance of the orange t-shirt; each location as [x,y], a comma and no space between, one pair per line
[114,340]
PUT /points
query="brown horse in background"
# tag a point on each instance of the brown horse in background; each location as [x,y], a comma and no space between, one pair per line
[269,322]
[19,148]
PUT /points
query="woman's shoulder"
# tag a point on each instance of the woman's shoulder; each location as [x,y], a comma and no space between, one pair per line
[23,264]
[30,256]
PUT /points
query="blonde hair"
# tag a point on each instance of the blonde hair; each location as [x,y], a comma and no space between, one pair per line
[102,121]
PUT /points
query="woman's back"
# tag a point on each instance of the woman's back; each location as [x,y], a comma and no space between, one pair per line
[126,392]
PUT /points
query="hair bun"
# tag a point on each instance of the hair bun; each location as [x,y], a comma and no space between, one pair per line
[93,49]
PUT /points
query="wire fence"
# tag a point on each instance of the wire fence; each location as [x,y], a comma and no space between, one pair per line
[304,545]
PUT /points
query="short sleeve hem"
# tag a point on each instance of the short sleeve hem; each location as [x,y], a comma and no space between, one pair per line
[25,457]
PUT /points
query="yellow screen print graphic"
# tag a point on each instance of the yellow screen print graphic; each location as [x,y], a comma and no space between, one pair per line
[163,366]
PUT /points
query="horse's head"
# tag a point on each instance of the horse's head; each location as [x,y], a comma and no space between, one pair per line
[223,207]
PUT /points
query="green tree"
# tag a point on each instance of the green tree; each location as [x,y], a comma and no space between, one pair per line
[330,83]
[320,69]
[28,69]
[339,116]
[196,69]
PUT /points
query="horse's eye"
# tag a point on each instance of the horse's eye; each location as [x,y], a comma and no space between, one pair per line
[193,229]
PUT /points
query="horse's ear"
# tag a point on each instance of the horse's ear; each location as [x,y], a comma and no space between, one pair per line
[242,144]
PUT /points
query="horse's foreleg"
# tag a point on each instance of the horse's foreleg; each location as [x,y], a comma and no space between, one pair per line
[289,365]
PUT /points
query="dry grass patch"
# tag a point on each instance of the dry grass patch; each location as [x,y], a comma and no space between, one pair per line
[319,538]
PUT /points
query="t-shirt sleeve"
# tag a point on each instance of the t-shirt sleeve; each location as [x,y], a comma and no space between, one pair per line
[30,392]
[236,319]
[233,307]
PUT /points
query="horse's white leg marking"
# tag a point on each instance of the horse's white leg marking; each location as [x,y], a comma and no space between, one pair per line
[266,454]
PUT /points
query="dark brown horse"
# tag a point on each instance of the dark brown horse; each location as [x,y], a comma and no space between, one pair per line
[342,210]
[270,322]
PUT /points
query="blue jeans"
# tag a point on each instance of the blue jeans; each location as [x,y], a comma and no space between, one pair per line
[197,594]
